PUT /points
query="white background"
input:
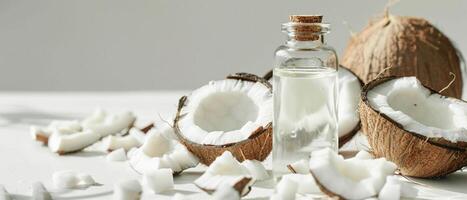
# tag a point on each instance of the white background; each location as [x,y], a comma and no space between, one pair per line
[171,44]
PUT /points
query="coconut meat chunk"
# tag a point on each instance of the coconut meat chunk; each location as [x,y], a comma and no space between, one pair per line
[226,111]
[406,101]
[351,178]
[107,124]
[349,97]
[225,170]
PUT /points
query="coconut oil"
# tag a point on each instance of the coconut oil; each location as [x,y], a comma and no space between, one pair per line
[305,93]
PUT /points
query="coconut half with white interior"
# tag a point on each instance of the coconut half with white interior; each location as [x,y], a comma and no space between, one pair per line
[233,115]
[421,131]
[350,87]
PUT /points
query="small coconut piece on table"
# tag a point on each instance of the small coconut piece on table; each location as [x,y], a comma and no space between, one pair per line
[133,139]
[42,134]
[351,178]
[225,170]
[256,169]
[127,190]
[421,131]
[159,180]
[233,115]
[63,143]
[68,179]
[285,189]
[117,155]
[108,124]
[159,152]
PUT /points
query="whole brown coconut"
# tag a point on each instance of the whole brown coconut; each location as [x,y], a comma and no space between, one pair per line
[414,154]
[406,46]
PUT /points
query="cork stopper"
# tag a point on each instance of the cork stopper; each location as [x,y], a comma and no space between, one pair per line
[304,31]
[306,18]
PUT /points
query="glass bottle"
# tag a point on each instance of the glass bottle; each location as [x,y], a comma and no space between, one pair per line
[305,93]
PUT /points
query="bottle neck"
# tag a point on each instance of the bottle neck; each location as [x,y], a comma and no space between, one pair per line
[295,41]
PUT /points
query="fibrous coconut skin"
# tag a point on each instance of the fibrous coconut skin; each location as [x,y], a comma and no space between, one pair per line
[351,178]
[255,146]
[127,190]
[159,180]
[411,47]
[39,192]
[415,154]
[4,195]
[225,170]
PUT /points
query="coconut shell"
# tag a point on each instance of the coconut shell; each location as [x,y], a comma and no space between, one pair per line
[405,46]
[414,154]
[256,147]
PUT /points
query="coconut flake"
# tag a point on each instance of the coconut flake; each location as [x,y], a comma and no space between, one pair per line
[4,195]
[225,170]
[159,180]
[127,190]
[256,169]
[116,142]
[305,183]
[65,179]
[299,167]
[117,155]
[65,143]
[225,192]
[39,192]
[104,124]
[351,178]
[163,153]
[85,180]
[285,189]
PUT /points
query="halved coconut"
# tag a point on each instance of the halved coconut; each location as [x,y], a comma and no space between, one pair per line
[351,178]
[228,115]
[350,87]
[424,133]
[159,152]
[225,170]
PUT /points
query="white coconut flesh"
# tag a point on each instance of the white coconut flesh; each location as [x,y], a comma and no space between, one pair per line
[349,97]
[225,170]
[70,142]
[351,178]
[127,142]
[63,126]
[406,101]
[107,124]
[158,152]
[225,111]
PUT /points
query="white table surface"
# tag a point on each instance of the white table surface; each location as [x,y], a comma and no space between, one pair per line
[23,161]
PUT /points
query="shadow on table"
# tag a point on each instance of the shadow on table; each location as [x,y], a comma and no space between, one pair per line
[27,115]
[455,182]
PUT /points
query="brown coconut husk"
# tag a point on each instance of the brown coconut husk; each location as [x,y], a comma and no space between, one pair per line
[256,147]
[411,47]
[414,154]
